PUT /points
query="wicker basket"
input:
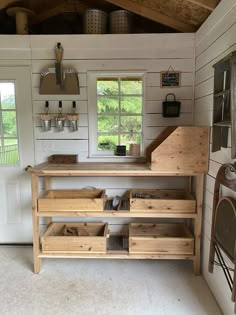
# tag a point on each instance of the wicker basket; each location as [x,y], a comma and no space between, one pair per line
[120,22]
[95,22]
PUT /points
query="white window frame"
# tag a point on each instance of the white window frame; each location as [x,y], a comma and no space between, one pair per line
[92,109]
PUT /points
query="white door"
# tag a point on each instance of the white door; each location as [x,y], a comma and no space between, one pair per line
[16,152]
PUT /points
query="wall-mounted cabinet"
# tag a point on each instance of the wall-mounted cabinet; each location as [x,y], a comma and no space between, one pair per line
[224,104]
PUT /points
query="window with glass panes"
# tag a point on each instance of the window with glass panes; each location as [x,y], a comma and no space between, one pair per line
[9,152]
[119,111]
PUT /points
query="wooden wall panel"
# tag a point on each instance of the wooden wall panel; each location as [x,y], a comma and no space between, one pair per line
[155,106]
[214,40]
[15,47]
[81,107]
[129,46]
[134,64]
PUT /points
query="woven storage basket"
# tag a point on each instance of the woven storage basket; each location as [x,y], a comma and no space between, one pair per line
[95,22]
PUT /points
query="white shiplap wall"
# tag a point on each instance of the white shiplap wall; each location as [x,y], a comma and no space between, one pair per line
[215,39]
[138,52]
[148,53]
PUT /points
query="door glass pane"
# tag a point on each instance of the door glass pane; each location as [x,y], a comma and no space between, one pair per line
[7,92]
[9,124]
[9,153]
[9,146]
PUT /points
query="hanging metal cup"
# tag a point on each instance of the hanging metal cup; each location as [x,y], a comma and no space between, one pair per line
[73,121]
[73,118]
[60,119]
[60,123]
[46,122]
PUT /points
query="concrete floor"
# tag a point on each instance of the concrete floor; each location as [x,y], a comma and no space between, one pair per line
[100,287]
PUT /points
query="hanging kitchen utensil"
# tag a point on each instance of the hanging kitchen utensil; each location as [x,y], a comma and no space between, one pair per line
[60,119]
[46,118]
[58,67]
[56,80]
[73,118]
[171,108]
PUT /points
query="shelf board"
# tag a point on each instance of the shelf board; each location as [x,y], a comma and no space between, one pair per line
[221,93]
[114,255]
[223,123]
[118,214]
[88,169]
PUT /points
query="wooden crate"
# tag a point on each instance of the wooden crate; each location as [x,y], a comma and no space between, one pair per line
[63,158]
[161,238]
[180,150]
[163,201]
[72,200]
[53,240]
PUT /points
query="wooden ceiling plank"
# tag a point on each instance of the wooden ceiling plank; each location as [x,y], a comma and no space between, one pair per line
[42,5]
[60,9]
[6,3]
[153,15]
[206,4]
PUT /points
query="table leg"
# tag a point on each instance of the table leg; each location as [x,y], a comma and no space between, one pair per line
[36,234]
[198,223]
[47,186]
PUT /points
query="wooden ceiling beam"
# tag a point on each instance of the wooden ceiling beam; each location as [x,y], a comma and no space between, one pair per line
[6,3]
[153,15]
[206,4]
[64,7]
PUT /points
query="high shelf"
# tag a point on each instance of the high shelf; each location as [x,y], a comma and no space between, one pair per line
[178,240]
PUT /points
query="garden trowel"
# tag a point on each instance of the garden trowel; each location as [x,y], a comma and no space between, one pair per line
[58,67]
[56,80]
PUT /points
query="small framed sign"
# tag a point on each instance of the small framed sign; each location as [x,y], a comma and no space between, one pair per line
[170,78]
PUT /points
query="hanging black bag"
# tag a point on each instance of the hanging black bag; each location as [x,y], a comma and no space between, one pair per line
[171,108]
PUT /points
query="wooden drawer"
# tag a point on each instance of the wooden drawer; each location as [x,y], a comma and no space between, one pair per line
[163,201]
[92,238]
[161,238]
[72,200]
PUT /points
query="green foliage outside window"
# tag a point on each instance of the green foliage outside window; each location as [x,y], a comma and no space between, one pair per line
[119,110]
[9,153]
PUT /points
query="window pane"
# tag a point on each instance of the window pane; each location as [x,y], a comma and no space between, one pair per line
[108,124]
[131,86]
[9,124]
[131,124]
[131,105]
[107,142]
[107,105]
[7,92]
[107,87]
[9,153]
[128,139]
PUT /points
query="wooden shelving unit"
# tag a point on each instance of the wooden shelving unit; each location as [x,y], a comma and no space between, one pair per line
[183,241]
